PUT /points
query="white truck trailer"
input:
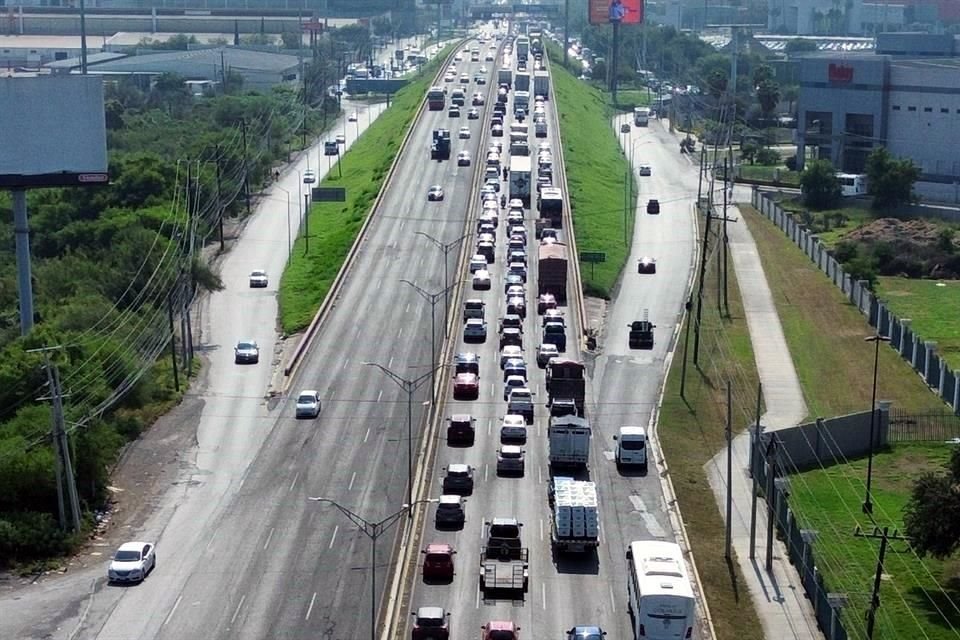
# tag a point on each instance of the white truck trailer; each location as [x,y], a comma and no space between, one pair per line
[520,178]
[569,442]
[574,516]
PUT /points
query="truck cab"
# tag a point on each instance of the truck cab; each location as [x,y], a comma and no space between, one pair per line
[631,447]
[641,334]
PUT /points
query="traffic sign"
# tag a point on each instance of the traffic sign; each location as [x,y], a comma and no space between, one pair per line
[593,256]
[329,194]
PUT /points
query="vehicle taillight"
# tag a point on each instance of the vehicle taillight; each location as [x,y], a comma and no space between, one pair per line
[642,633]
[689,633]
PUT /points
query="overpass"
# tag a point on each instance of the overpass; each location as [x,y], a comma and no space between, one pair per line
[491,10]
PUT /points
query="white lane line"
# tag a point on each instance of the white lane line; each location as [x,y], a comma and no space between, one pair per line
[379,283]
[237,611]
[352,478]
[400,333]
[366,435]
[539,474]
[343,365]
[538,429]
[334,538]
[649,520]
[401,224]
[390,363]
[541,529]
[170,615]
[210,543]
[408,308]
[269,538]
[543,595]
[310,608]
[490,427]
[477,603]
[493,391]
[486,472]
[379,395]
[613,601]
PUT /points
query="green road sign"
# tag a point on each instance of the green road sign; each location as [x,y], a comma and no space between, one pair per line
[329,194]
[593,257]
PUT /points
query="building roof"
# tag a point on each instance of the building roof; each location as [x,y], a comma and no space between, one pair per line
[92,58]
[200,62]
[134,38]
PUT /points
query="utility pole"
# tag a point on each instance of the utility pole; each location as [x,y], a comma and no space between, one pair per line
[726,238]
[566,31]
[83,37]
[700,284]
[220,199]
[875,598]
[754,448]
[446,248]
[246,178]
[64,467]
[173,343]
[686,351]
[771,475]
[306,223]
[728,554]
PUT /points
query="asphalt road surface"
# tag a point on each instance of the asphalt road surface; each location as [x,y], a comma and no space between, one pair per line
[240,552]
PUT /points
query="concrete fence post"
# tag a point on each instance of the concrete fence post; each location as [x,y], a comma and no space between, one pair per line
[905,336]
[917,353]
[929,348]
[883,319]
[883,431]
[943,375]
[956,391]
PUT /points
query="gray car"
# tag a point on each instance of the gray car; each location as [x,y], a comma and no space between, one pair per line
[246,352]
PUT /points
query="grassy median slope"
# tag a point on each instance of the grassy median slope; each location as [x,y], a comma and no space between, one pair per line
[334,225]
[596,170]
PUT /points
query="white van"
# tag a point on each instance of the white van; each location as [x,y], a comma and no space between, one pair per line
[659,593]
[631,447]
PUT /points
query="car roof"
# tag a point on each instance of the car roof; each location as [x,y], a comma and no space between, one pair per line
[458,467]
[466,356]
[500,625]
[431,612]
[310,392]
[514,418]
[511,448]
[133,546]
[448,498]
[439,547]
[461,417]
[520,378]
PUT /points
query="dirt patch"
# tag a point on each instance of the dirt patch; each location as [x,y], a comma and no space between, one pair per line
[921,233]
[916,248]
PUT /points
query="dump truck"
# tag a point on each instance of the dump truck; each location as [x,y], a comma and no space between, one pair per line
[521,81]
[552,270]
[641,333]
[565,380]
[569,442]
[574,515]
[504,562]
[440,145]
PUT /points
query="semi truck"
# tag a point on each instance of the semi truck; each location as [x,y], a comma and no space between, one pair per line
[552,269]
[574,515]
[505,78]
[569,442]
[565,381]
[523,48]
[520,179]
[550,204]
[541,84]
[440,145]
[504,562]
[521,81]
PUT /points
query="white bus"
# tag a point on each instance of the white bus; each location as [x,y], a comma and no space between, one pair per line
[852,184]
[659,594]
[641,116]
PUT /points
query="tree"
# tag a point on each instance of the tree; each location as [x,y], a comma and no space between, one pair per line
[821,189]
[291,40]
[748,151]
[890,180]
[768,95]
[931,517]
[791,93]
[762,73]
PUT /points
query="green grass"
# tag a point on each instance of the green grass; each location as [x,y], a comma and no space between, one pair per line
[932,307]
[596,168]
[825,334]
[913,605]
[780,175]
[691,432]
[334,225]
[627,99]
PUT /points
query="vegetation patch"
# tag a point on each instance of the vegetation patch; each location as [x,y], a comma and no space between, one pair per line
[918,597]
[333,226]
[932,307]
[596,169]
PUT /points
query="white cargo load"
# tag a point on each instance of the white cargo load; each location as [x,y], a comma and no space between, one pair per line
[576,515]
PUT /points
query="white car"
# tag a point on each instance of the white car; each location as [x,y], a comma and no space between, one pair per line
[512,383]
[309,176]
[545,352]
[510,460]
[463,159]
[475,330]
[510,351]
[258,279]
[352,117]
[464,133]
[341,139]
[481,280]
[308,404]
[513,429]
[477,263]
[132,562]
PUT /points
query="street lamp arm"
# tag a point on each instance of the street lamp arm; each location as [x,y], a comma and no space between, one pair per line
[443,246]
[432,298]
[357,520]
[403,383]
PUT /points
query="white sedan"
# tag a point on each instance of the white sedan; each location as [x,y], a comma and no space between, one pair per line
[132,562]
[309,176]
[258,279]
[308,404]
[464,133]
[481,280]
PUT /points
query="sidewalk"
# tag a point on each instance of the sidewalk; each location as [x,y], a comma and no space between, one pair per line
[778,596]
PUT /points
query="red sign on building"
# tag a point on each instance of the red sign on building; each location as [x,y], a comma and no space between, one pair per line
[839,73]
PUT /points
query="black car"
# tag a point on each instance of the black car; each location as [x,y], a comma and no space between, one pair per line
[653,206]
[647,265]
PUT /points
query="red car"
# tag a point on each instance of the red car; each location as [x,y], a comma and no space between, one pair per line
[466,386]
[438,562]
[500,630]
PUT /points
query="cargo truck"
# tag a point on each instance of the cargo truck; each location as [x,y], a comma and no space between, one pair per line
[521,100]
[550,205]
[574,515]
[523,48]
[505,78]
[541,84]
[520,179]
[565,380]
[552,269]
[440,145]
[521,81]
[504,564]
[569,442]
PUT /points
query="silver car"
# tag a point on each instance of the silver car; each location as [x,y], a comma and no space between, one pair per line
[510,460]
[308,404]
[132,562]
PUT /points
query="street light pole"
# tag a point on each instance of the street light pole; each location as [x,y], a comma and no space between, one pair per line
[409,386]
[289,240]
[432,299]
[876,340]
[446,248]
[373,530]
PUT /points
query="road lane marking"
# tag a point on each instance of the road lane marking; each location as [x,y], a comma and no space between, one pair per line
[400,333]
[609,455]
[649,520]
[379,395]
[343,365]
[543,595]
[539,473]
[541,529]
[379,283]
[294,483]
[310,608]
[210,543]
[367,435]
[477,604]
[170,615]
[613,601]
[239,606]
[352,478]
[269,538]
[486,470]
[334,538]
[401,224]
[390,363]
[490,426]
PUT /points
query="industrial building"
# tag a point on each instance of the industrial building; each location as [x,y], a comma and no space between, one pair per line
[905,97]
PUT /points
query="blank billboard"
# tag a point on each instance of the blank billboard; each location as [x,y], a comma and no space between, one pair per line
[52,131]
[610,11]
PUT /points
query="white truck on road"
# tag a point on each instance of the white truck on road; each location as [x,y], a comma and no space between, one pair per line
[520,179]
[569,442]
[541,84]
[574,516]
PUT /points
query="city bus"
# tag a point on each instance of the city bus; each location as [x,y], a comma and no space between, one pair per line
[659,593]
[436,99]
[641,116]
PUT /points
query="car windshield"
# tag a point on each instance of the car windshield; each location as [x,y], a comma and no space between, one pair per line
[306,399]
[246,346]
[127,556]
[430,622]
[633,445]
[258,273]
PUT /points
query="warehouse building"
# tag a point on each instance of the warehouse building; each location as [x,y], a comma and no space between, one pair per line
[906,97]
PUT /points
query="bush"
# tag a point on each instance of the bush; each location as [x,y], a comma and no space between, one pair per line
[768,157]
[791,163]
[821,189]
[30,535]
[845,251]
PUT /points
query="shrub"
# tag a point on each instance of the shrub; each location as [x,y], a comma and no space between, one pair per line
[768,157]
[791,163]
[821,189]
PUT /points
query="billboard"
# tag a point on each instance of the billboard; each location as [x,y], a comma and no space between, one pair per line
[621,11]
[52,131]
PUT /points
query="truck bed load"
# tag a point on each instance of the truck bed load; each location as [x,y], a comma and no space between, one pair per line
[575,517]
[552,270]
[503,560]
[440,145]
[565,380]
[569,438]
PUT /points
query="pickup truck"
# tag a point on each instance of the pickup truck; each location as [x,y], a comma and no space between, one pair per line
[521,402]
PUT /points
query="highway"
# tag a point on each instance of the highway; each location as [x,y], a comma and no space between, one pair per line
[236,514]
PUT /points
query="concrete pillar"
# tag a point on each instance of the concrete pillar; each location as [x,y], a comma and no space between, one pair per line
[905,335]
[929,348]
[917,351]
[943,374]
[956,391]
[883,430]
[153,20]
